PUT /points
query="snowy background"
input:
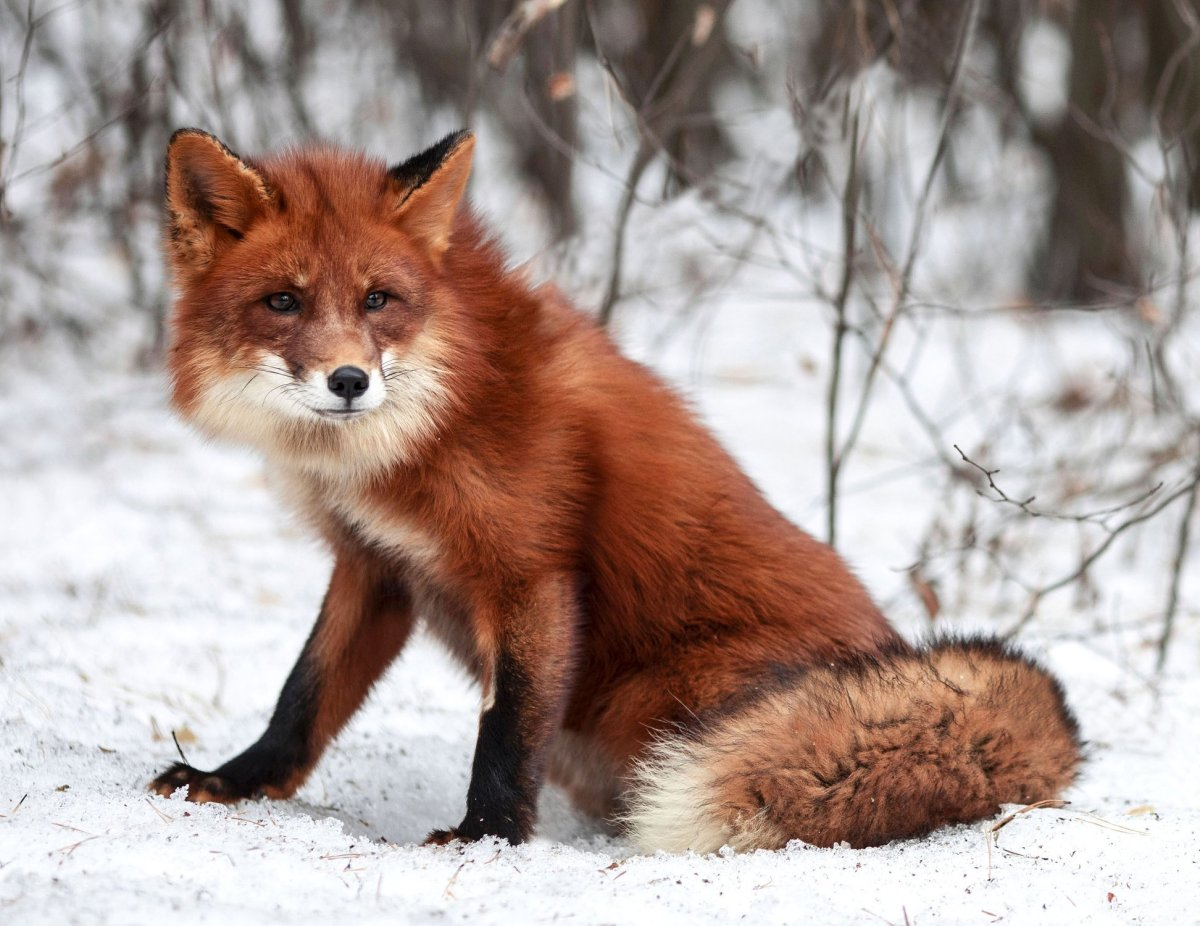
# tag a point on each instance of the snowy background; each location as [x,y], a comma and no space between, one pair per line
[150,583]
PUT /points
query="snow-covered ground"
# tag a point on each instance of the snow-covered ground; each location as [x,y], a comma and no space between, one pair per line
[150,583]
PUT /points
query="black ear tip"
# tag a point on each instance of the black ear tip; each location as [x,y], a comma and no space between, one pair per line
[449,144]
[180,134]
[189,131]
[420,167]
[454,139]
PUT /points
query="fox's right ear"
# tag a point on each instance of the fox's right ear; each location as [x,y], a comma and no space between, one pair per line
[213,197]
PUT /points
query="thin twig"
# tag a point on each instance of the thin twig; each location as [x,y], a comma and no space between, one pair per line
[1026,506]
[1181,549]
[850,199]
[1086,564]
[14,144]
[612,291]
[903,284]
[654,108]
[516,26]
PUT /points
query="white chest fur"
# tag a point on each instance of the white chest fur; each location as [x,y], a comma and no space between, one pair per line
[349,506]
[337,507]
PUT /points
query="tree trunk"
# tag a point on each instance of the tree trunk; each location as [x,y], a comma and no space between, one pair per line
[1086,256]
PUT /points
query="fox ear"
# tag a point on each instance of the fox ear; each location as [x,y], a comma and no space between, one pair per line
[429,186]
[213,197]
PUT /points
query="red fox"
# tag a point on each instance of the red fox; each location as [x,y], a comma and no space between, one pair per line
[647,631]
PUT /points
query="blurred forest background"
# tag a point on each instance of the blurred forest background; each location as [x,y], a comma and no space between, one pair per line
[895,163]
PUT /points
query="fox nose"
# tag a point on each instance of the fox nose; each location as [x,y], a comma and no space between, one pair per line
[348,382]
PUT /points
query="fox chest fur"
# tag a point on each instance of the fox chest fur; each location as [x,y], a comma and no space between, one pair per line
[456,567]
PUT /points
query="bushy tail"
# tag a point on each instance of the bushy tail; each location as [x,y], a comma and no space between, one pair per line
[866,752]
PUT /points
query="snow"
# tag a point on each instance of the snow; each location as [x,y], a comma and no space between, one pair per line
[151,583]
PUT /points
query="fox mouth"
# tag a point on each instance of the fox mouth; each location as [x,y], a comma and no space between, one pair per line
[340,414]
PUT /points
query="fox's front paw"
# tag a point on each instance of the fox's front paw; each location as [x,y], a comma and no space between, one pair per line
[441,837]
[203,787]
[474,829]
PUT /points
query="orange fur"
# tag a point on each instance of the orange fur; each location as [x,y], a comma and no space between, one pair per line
[550,508]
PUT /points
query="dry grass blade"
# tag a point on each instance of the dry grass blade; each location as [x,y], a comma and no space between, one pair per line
[165,817]
[1009,817]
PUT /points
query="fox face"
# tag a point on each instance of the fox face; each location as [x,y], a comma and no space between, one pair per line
[312,317]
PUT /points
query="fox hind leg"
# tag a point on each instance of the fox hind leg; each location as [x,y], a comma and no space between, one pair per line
[529,639]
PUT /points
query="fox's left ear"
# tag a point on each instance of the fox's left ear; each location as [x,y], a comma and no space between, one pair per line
[428,188]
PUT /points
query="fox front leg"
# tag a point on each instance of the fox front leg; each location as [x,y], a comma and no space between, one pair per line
[532,637]
[364,622]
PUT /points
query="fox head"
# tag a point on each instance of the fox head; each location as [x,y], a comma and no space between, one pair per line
[313,311]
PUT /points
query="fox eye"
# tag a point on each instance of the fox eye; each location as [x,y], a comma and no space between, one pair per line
[375,301]
[282,302]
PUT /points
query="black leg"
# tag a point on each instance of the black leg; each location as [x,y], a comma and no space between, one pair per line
[363,624]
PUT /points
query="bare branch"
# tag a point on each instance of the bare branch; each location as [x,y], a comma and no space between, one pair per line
[1189,489]
[14,145]
[901,291]
[850,198]
[612,291]
[1026,506]
[508,38]
[1182,547]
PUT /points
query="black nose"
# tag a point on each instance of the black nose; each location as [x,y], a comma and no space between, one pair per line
[348,382]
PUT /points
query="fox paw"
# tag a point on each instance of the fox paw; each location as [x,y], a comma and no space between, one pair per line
[203,787]
[473,830]
[443,838]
